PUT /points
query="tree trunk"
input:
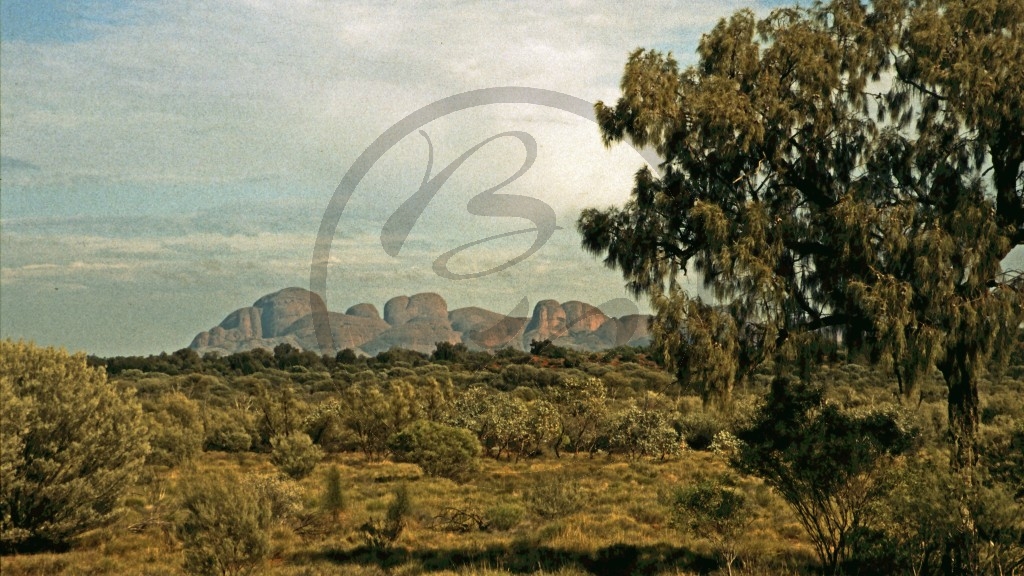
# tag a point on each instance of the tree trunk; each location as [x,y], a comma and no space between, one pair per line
[960,369]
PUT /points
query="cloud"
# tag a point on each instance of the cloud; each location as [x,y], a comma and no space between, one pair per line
[173,161]
[231,90]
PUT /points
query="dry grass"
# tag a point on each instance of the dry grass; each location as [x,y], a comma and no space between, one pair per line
[621,528]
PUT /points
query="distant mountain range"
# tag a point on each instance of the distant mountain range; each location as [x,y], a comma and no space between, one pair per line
[418,323]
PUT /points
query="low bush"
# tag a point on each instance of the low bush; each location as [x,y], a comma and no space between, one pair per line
[439,449]
[227,432]
[71,445]
[554,496]
[504,516]
[225,527]
[698,430]
[175,430]
[295,454]
[714,511]
[638,432]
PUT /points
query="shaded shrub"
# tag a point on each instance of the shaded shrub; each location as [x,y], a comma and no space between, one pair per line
[439,449]
[227,431]
[380,534]
[999,518]
[714,511]
[698,430]
[229,438]
[829,465]
[919,516]
[71,444]
[1003,451]
[295,454]
[922,523]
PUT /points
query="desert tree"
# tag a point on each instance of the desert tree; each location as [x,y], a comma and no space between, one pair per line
[842,170]
[582,406]
[832,466]
[837,171]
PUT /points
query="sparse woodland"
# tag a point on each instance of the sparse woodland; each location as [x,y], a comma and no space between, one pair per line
[555,463]
[846,179]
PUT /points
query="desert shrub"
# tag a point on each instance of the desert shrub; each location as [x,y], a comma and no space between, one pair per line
[698,430]
[829,465]
[505,516]
[714,511]
[324,426]
[543,425]
[280,410]
[175,430]
[72,444]
[224,529]
[295,454]
[501,421]
[725,443]
[373,413]
[583,409]
[554,496]
[283,496]
[999,518]
[228,437]
[333,500]
[381,534]
[639,432]
[919,518]
[922,523]
[438,449]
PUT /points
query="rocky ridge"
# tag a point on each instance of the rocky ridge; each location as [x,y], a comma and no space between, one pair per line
[417,322]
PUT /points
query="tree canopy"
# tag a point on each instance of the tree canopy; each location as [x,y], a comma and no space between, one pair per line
[847,171]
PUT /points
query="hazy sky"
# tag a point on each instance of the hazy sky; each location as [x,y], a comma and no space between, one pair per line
[164,163]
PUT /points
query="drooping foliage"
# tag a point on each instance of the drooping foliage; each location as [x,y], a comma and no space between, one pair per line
[845,172]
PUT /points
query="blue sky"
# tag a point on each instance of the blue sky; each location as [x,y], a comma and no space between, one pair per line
[164,163]
[56,21]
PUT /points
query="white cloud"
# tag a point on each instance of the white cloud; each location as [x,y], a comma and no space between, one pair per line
[226,90]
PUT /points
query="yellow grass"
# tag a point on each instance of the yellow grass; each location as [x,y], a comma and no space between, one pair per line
[622,525]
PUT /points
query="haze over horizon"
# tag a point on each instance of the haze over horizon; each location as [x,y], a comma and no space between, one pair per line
[163,164]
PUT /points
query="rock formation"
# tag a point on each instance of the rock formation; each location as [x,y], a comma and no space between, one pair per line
[417,322]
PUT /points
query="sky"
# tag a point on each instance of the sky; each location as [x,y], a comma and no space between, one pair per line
[165,163]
